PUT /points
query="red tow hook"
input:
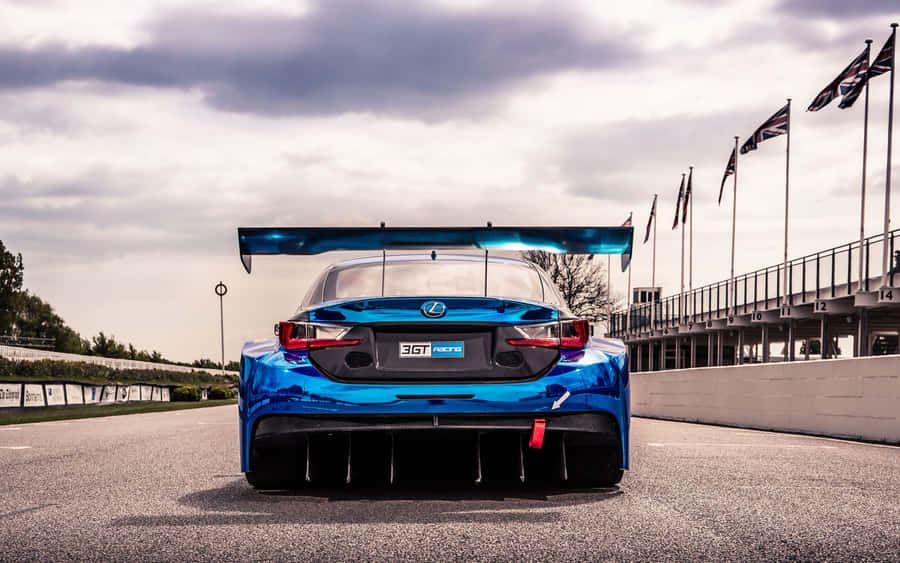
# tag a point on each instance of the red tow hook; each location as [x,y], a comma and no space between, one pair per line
[537,433]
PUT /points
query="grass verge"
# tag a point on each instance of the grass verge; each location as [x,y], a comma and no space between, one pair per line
[93,411]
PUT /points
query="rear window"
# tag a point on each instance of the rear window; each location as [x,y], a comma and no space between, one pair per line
[438,278]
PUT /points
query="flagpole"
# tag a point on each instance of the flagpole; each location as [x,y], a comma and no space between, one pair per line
[885,266]
[653,275]
[787,177]
[611,305]
[681,294]
[628,296]
[733,219]
[653,268]
[862,199]
[628,291]
[691,239]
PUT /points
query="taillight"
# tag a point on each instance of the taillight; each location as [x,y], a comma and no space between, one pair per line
[545,335]
[569,335]
[306,336]
[574,335]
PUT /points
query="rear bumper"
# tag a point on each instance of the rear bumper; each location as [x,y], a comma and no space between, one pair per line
[276,428]
[284,399]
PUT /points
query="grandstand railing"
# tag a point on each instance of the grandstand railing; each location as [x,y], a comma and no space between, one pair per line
[827,274]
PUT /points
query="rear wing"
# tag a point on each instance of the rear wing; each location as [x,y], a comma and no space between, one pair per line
[308,241]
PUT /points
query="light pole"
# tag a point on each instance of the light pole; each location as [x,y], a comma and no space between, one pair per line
[221,289]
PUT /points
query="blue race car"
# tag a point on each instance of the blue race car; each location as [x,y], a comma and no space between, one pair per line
[402,367]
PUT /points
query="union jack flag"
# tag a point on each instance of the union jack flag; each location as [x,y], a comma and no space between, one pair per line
[776,125]
[843,82]
[852,94]
[687,197]
[729,170]
[885,59]
[880,65]
[678,203]
[650,220]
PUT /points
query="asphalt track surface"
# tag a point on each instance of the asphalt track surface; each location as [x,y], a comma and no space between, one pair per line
[167,486]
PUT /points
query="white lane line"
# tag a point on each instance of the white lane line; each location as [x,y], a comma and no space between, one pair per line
[4,429]
[736,430]
[15,447]
[734,445]
[855,442]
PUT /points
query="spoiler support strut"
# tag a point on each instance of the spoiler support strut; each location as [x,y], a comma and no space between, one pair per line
[485,272]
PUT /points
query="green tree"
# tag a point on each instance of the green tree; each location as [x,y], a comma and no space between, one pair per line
[37,319]
[205,363]
[107,347]
[11,270]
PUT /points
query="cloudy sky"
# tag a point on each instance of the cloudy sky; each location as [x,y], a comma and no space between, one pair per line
[135,137]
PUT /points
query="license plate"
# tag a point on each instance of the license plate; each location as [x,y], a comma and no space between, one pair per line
[431,349]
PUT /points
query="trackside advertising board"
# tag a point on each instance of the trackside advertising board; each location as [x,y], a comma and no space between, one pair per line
[34,395]
[55,394]
[10,395]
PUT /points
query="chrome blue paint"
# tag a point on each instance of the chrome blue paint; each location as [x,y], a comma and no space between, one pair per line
[275,382]
[316,240]
[408,309]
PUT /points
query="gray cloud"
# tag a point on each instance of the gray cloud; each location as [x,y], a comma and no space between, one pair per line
[38,119]
[802,32]
[100,214]
[344,56]
[838,8]
[610,162]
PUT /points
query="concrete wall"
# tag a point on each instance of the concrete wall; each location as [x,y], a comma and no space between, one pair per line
[853,398]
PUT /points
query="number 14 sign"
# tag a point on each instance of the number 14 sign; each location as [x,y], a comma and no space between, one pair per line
[889,295]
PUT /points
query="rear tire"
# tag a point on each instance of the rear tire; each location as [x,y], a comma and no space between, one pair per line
[594,465]
[274,468]
[267,480]
[609,473]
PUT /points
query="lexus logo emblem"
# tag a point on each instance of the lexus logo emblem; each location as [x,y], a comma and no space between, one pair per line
[433,309]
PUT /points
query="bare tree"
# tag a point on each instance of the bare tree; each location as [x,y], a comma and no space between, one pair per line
[581,280]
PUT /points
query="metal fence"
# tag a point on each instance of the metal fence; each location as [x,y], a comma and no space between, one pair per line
[824,275]
[27,341]
[29,354]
